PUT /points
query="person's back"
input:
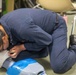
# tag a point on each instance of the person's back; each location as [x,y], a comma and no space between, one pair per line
[43,18]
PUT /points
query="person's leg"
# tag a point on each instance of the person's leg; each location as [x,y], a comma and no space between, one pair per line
[61,58]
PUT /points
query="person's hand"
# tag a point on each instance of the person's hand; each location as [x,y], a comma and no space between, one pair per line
[13,53]
[73,39]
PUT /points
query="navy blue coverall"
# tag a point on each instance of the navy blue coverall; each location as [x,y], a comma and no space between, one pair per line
[43,32]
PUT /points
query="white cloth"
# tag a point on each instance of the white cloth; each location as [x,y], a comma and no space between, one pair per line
[3,57]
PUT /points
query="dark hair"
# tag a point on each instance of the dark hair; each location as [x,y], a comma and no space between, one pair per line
[1,35]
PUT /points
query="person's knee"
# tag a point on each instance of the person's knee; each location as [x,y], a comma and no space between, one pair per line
[59,67]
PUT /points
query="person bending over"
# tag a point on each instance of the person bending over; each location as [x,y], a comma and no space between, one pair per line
[35,33]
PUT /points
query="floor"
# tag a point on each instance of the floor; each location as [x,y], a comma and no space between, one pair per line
[45,61]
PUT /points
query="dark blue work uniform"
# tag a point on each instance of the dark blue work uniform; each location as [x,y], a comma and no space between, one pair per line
[42,32]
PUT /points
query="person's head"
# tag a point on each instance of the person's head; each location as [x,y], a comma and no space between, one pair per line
[4,42]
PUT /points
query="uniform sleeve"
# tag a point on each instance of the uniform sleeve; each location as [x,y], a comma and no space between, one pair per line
[42,39]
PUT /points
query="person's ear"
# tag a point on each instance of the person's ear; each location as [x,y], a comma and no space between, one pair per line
[4,39]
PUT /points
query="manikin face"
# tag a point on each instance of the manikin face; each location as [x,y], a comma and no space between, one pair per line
[5,43]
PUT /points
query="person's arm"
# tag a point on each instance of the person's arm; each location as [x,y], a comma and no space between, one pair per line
[34,33]
[42,39]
